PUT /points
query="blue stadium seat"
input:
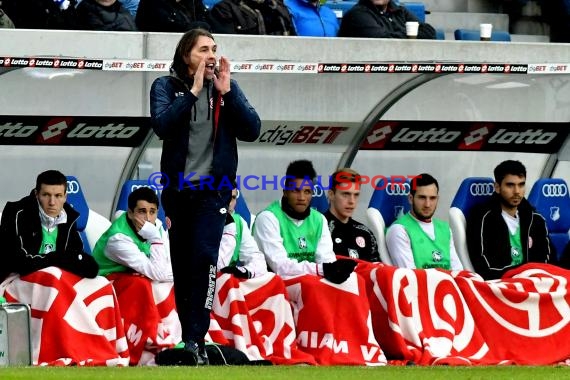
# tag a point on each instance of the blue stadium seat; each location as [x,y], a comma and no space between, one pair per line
[210,3]
[472,192]
[243,210]
[320,200]
[389,201]
[128,187]
[90,224]
[439,34]
[418,9]
[473,35]
[551,199]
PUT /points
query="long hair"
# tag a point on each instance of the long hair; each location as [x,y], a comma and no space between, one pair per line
[185,45]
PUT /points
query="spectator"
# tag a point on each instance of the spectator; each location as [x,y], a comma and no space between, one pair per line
[44,265]
[350,238]
[198,112]
[41,14]
[104,15]
[507,231]
[417,239]
[294,237]
[134,253]
[5,21]
[172,16]
[557,14]
[260,17]
[311,18]
[131,6]
[380,19]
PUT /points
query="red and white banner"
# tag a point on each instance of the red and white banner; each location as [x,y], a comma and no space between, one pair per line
[333,321]
[255,317]
[441,317]
[75,321]
[149,315]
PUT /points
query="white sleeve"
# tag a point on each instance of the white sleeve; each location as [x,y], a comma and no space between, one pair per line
[325,250]
[123,250]
[267,234]
[227,245]
[455,263]
[400,247]
[250,254]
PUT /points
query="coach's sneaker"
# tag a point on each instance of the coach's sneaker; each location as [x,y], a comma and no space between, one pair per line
[177,356]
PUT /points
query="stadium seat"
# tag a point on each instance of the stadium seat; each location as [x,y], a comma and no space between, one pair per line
[243,210]
[439,34]
[418,9]
[389,201]
[210,3]
[473,35]
[551,199]
[320,200]
[90,224]
[128,187]
[472,192]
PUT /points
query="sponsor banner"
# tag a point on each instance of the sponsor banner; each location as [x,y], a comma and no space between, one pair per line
[274,67]
[135,65]
[468,136]
[549,68]
[71,130]
[279,67]
[293,133]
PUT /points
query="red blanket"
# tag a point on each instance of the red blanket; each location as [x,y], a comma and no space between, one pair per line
[149,315]
[75,321]
[333,321]
[442,317]
[255,317]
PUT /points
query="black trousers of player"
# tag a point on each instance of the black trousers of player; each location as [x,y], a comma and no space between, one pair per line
[198,218]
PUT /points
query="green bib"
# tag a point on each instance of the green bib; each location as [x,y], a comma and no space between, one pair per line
[239,230]
[121,225]
[48,241]
[428,253]
[300,242]
[516,247]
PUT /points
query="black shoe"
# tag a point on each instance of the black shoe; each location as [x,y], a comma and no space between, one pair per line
[176,356]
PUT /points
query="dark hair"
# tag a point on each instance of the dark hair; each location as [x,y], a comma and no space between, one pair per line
[423,179]
[51,177]
[300,169]
[185,45]
[344,176]
[142,194]
[509,167]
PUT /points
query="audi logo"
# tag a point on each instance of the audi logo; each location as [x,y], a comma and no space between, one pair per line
[134,187]
[554,190]
[481,189]
[318,191]
[73,187]
[398,189]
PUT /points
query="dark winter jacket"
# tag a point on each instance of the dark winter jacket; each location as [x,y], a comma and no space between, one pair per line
[260,17]
[488,238]
[171,16]
[366,20]
[171,108]
[93,16]
[21,236]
